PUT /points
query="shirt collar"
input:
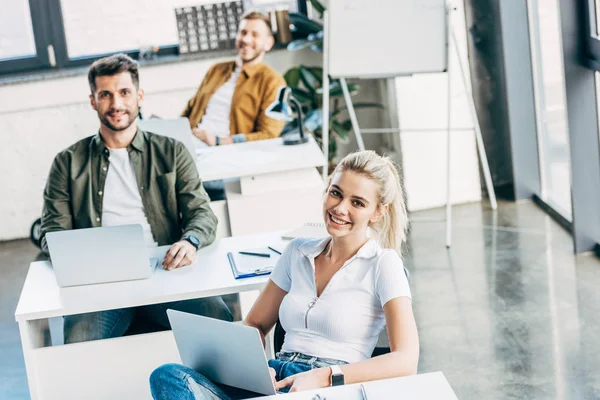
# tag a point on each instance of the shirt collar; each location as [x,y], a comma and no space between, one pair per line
[313,248]
[137,143]
[250,70]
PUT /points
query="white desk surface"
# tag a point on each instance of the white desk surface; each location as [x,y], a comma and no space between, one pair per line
[257,158]
[210,275]
[428,386]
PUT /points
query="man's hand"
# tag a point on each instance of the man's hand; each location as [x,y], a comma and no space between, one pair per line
[313,379]
[180,254]
[205,136]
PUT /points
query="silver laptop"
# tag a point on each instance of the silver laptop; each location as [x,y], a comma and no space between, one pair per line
[225,352]
[178,129]
[99,255]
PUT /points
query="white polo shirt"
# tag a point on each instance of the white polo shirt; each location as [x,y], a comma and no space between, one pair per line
[344,323]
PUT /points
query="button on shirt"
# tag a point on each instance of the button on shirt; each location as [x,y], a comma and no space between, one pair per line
[344,323]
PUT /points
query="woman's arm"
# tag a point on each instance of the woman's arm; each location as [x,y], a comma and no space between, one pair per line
[265,311]
[402,360]
[404,345]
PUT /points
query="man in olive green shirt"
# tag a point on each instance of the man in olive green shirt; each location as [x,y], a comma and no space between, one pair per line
[123,175]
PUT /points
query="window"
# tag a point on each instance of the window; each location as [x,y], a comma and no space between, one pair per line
[16,31]
[38,34]
[550,98]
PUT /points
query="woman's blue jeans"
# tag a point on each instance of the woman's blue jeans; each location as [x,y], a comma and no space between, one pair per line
[176,382]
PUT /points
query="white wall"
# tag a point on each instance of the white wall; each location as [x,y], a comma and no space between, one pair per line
[38,119]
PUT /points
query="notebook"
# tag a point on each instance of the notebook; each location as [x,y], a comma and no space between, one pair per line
[308,230]
[246,265]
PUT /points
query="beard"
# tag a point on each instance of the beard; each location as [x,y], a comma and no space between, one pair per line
[250,57]
[131,116]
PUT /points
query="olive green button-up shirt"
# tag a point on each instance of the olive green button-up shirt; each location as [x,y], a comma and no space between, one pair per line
[175,203]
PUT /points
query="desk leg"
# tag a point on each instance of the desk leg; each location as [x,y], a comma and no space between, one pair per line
[32,337]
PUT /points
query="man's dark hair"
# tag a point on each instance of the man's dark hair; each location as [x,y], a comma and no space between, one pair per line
[260,16]
[113,65]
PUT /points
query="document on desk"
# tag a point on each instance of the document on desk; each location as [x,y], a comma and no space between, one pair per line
[247,263]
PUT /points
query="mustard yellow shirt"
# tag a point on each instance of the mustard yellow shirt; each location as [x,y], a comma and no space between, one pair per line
[255,90]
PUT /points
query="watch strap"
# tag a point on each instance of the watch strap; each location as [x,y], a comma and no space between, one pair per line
[192,240]
[337,376]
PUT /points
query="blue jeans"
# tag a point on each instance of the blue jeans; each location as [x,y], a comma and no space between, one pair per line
[114,323]
[176,382]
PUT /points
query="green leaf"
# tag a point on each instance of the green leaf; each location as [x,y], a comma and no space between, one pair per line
[359,106]
[292,77]
[310,81]
[340,130]
[318,7]
[302,95]
[336,91]
[347,124]
[318,73]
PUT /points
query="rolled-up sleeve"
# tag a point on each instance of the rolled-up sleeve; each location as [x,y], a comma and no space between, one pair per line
[193,202]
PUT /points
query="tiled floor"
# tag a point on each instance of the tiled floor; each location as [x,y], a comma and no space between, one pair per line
[507,313]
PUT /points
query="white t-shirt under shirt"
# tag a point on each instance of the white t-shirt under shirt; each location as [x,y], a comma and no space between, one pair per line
[344,323]
[122,203]
[218,110]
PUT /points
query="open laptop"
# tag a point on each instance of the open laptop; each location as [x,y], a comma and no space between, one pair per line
[99,255]
[178,128]
[225,352]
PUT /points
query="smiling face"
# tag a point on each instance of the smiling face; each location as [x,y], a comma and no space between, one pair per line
[253,40]
[116,100]
[350,205]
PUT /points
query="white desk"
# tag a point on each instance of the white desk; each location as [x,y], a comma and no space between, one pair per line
[430,386]
[278,188]
[117,368]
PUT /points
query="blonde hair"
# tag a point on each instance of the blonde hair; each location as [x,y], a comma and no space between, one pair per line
[392,228]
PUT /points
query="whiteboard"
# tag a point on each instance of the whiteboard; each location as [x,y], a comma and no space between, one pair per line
[386,38]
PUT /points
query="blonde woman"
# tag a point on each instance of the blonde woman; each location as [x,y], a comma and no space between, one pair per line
[333,296]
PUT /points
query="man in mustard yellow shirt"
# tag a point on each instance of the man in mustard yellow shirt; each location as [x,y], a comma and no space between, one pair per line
[229,106]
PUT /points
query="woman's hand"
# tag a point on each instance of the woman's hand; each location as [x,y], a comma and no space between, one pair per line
[313,379]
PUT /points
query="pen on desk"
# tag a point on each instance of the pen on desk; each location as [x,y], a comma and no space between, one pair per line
[251,253]
[274,250]
[263,270]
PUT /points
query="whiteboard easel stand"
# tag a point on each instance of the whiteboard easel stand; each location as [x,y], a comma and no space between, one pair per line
[325,128]
[485,167]
[452,43]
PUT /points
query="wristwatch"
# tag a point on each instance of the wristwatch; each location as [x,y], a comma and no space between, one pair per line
[193,240]
[337,376]
[217,141]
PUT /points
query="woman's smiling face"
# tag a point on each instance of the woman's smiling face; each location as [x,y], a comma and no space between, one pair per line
[350,204]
